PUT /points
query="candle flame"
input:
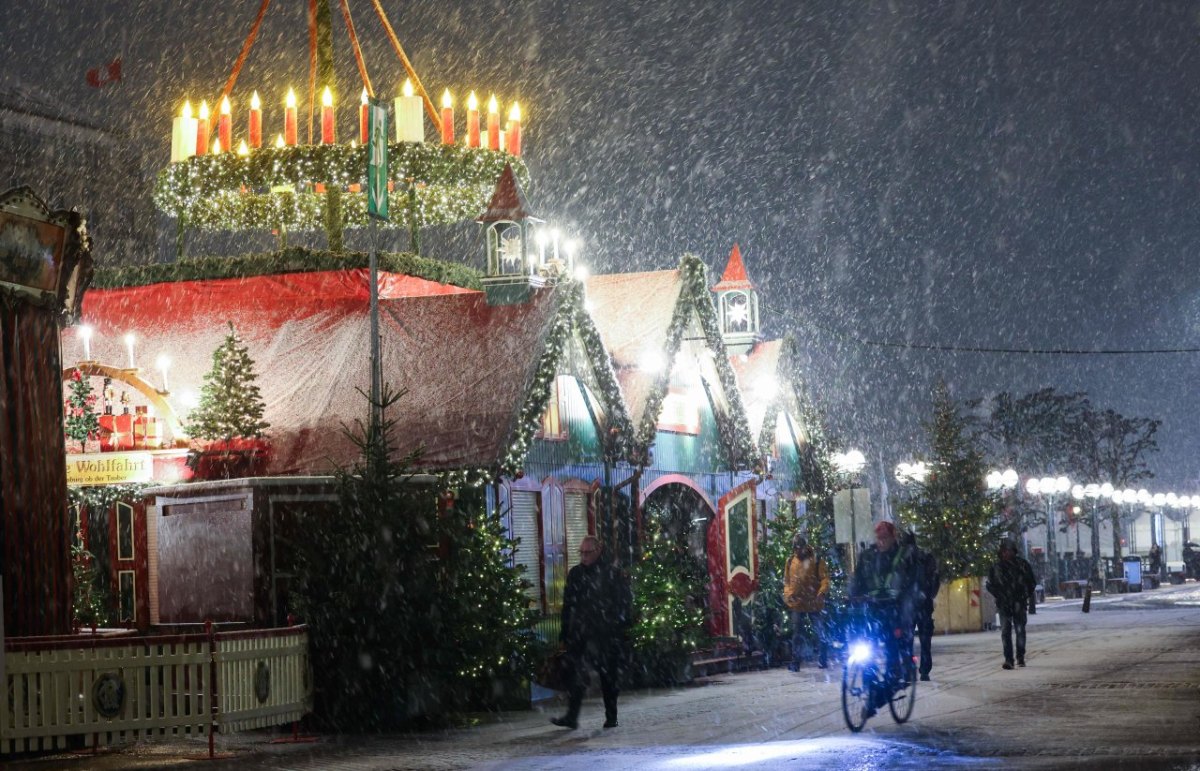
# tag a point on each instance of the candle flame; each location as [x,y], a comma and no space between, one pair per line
[203,109]
[493,105]
[353,143]
[290,100]
[129,338]
[327,98]
[364,95]
[216,145]
[515,112]
[279,141]
[447,100]
[225,108]
[472,102]
[408,87]
[162,362]
[243,148]
[187,109]
[255,102]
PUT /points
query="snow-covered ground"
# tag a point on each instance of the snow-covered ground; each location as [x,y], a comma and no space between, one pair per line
[1118,687]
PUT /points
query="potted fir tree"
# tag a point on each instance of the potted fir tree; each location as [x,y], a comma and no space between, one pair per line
[229,419]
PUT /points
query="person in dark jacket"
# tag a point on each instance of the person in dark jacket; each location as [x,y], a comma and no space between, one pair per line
[1012,583]
[597,611]
[929,580]
[885,574]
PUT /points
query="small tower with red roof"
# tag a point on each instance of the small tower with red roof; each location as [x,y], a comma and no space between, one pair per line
[514,265]
[737,306]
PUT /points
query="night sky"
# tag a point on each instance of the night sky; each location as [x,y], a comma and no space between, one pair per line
[970,174]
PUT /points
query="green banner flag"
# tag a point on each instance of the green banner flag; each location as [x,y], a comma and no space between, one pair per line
[377,159]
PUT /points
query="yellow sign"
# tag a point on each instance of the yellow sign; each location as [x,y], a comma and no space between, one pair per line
[110,468]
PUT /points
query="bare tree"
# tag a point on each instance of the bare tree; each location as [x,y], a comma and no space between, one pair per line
[1111,447]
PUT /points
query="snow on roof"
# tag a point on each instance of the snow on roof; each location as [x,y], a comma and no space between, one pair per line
[755,370]
[308,334]
[633,312]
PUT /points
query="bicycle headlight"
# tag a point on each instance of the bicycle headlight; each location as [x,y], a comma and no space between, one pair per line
[860,652]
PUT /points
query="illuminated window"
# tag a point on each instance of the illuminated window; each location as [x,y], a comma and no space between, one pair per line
[552,427]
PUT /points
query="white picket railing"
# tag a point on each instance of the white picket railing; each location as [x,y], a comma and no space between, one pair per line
[99,690]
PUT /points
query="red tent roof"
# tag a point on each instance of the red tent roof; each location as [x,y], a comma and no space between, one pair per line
[308,334]
[734,276]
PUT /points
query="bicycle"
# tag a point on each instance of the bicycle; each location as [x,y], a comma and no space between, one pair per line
[868,678]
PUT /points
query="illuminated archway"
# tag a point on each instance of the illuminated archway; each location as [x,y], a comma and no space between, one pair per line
[131,378]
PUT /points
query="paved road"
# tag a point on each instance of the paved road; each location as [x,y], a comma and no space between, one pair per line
[1116,688]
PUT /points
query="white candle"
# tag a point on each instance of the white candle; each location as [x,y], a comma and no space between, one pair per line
[85,336]
[183,135]
[129,347]
[410,117]
[163,364]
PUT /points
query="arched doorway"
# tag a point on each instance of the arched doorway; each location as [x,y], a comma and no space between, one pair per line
[684,515]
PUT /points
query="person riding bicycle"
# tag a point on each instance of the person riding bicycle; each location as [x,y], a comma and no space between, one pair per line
[885,574]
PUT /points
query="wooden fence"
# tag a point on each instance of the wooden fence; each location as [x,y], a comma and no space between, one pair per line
[98,690]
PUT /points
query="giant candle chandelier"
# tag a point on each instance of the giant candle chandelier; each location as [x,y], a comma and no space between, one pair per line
[227,174]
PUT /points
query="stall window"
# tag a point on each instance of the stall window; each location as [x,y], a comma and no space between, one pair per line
[124,531]
[577,525]
[128,607]
[527,530]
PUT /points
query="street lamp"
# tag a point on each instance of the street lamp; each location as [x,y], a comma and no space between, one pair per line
[1003,481]
[851,463]
[1048,488]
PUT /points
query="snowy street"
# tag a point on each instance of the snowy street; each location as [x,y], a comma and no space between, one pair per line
[1116,688]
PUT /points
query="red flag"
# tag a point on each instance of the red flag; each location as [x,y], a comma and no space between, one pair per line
[98,77]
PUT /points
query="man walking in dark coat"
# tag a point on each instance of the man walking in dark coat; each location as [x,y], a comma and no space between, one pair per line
[597,611]
[929,580]
[1012,583]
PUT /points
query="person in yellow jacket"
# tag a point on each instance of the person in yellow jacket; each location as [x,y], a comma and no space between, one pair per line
[805,585]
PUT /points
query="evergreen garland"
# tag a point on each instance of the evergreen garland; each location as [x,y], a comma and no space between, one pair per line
[291,260]
[81,422]
[735,430]
[953,514]
[231,405]
[273,187]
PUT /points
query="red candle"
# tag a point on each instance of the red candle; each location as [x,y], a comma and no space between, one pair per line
[225,126]
[255,121]
[447,118]
[362,120]
[472,121]
[513,135]
[289,118]
[327,128]
[493,124]
[202,130]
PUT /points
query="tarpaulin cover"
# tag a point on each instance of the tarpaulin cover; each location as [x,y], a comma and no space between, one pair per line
[465,365]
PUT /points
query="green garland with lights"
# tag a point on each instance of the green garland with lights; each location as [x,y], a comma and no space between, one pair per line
[273,187]
[735,427]
[569,317]
[291,260]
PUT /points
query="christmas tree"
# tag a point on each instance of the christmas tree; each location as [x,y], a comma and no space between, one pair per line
[230,403]
[81,422]
[668,583]
[484,604]
[772,621]
[89,597]
[952,512]
[413,609]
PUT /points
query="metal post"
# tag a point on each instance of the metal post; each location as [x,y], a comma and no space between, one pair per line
[1051,548]
[376,364]
[853,535]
